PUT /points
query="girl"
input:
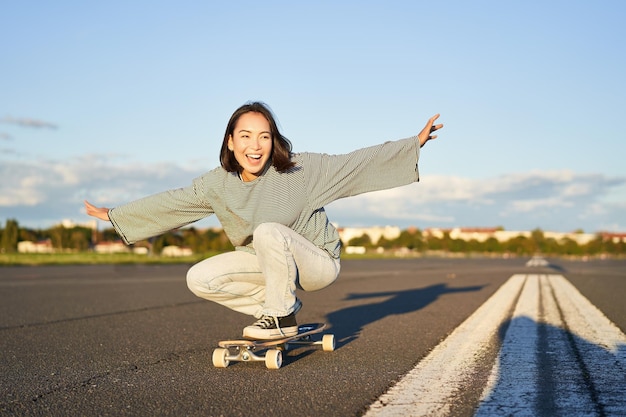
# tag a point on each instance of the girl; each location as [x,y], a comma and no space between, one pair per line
[270,203]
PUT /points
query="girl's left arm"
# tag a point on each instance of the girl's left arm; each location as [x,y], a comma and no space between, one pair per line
[389,165]
[380,167]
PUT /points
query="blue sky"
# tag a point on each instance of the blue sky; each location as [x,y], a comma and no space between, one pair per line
[116,100]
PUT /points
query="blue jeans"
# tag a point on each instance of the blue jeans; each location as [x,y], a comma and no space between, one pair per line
[264,283]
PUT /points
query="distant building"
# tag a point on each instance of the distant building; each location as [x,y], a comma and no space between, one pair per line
[580,238]
[176,251]
[375,233]
[359,250]
[111,247]
[119,247]
[26,246]
[482,234]
[614,237]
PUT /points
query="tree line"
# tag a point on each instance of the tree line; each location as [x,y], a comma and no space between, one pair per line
[536,243]
[80,238]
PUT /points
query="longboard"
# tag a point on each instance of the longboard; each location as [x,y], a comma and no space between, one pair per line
[269,351]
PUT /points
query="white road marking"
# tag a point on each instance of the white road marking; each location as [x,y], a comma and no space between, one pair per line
[600,345]
[430,388]
[560,355]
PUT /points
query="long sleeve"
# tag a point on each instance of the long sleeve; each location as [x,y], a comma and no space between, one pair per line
[159,213]
[388,165]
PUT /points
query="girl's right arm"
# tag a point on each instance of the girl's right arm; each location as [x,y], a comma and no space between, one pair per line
[101,213]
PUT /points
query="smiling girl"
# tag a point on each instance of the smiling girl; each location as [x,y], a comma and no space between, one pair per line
[270,202]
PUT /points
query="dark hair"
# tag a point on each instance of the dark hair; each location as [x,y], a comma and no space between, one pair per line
[281,146]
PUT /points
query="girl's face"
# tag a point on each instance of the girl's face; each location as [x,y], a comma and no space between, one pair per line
[251,142]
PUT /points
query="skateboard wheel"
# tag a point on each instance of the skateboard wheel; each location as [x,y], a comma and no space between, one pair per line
[273,359]
[328,342]
[219,358]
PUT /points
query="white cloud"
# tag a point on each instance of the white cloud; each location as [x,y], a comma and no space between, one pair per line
[27,122]
[530,205]
[577,189]
[47,191]
[557,200]
[23,196]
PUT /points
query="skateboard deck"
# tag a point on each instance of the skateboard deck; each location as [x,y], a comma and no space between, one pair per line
[269,351]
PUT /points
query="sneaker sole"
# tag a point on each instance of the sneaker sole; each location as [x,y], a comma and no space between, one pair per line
[269,334]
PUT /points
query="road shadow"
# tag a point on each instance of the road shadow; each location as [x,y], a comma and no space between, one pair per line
[556,267]
[546,370]
[348,323]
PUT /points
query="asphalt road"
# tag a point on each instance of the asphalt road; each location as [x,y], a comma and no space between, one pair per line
[132,340]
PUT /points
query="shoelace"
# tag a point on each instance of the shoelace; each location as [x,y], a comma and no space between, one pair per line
[267,321]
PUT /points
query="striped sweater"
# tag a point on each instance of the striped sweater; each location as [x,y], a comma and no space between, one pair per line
[295,198]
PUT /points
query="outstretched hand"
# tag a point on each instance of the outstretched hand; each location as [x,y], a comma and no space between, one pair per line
[101,213]
[427,132]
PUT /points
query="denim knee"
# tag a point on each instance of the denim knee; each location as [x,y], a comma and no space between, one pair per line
[193,281]
[269,231]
